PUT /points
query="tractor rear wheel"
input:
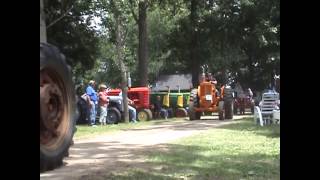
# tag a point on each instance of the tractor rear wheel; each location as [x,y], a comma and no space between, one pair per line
[228,103]
[113,116]
[57,108]
[192,104]
[221,110]
[228,109]
[198,115]
[192,115]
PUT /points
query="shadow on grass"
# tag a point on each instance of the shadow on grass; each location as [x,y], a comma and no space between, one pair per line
[133,175]
[188,162]
[167,161]
[175,161]
[247,124]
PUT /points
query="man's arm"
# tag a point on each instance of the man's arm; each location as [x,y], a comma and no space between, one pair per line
[89,91]
[130,101]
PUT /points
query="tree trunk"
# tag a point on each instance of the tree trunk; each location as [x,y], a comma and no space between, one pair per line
[143,46]
[120,57]
[195,65]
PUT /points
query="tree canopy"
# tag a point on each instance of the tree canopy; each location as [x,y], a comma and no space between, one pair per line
[237,36]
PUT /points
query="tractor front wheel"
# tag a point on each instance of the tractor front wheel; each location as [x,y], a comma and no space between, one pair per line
[221,110]
[192,113]
[144,115]
[228,104]
[192,104]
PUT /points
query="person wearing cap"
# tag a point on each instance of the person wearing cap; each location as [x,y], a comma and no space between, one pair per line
[103,104]
[93,101]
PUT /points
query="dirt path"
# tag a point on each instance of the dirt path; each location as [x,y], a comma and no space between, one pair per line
[124,149]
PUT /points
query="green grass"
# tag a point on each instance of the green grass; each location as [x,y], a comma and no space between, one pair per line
[236,151]
[85,131]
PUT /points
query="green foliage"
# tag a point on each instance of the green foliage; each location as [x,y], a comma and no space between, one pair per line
[72,32]
[241,36]
[230,35]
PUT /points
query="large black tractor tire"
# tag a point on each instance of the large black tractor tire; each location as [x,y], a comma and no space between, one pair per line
[144,115]
[181,112]
[57,107]
[228,110]
[192,113]
[198,115]
[221,112]
[194,102]
[113,116]
[228,103]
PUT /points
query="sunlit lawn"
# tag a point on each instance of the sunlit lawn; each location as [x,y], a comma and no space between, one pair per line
[241,150]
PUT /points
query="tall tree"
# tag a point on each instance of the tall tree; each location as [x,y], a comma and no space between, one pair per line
[143,39]
[116,20]
[194,42]
[143,44]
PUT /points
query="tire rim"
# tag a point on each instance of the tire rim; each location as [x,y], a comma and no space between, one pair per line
[54,109]
[142,116]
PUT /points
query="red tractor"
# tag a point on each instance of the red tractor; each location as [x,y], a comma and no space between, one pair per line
[139,95]
[244,101]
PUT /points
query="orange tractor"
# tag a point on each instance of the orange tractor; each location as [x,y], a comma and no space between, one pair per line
[206,99]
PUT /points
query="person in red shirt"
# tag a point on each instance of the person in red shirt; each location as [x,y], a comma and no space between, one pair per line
[103,104]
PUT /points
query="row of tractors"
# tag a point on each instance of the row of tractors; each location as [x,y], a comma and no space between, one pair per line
[143,98]
[204,100]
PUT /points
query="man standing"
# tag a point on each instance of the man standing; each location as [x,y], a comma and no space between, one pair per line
[93,101]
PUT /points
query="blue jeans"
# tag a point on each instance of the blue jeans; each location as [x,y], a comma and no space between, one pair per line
[133,112]
[165,112]
[93,113]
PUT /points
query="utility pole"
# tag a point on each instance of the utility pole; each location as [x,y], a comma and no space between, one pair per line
[43,32]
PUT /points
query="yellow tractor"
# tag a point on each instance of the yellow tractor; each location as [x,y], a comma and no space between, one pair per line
[206,99]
